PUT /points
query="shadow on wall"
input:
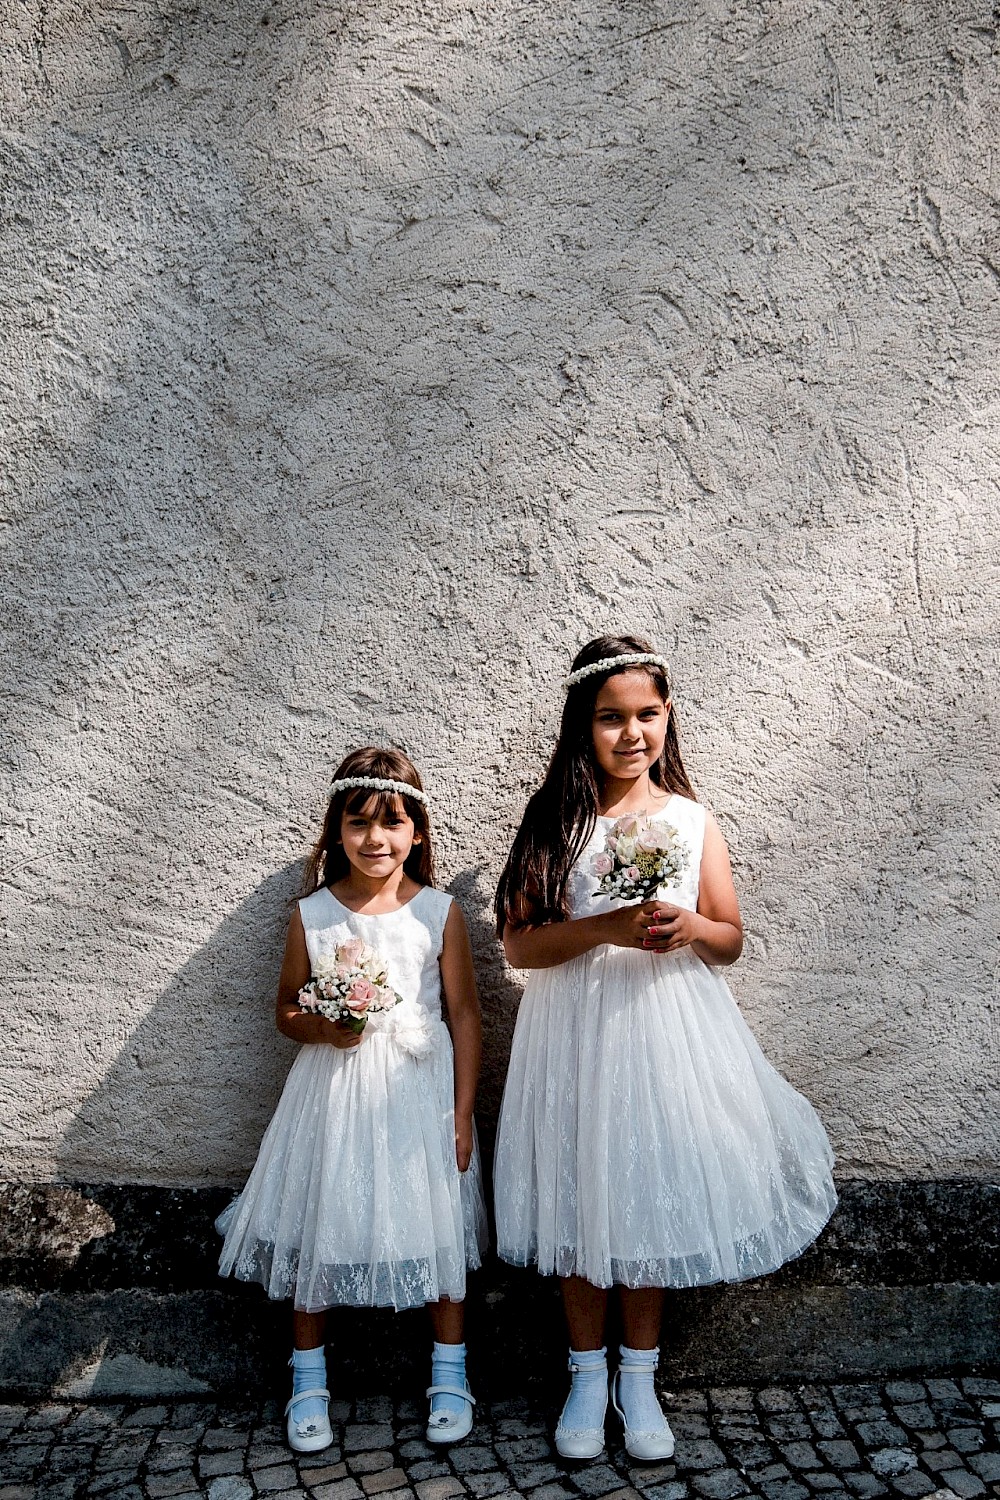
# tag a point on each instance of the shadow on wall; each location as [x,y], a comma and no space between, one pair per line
[199,1078]
[167,1097]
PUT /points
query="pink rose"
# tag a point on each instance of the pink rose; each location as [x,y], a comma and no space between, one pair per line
[633,872]
[350,951]
[603,864]
[362,993]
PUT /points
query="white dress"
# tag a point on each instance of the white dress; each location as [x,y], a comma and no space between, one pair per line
[356,1198]
[644,1139]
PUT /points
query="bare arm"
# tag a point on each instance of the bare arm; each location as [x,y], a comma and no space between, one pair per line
[529,947]
[289,1018]
[715,930]
[458,983]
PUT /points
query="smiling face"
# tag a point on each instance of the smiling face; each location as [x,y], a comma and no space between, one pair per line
[377,837]
[629,726]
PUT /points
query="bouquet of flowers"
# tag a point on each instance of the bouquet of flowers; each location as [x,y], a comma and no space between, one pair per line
[349,985]
[640,855]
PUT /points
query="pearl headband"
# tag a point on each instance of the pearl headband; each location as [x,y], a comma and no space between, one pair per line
[378,784]
[633,659]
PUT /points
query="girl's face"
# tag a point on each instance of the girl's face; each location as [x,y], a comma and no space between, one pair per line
[377,844]
[629,725]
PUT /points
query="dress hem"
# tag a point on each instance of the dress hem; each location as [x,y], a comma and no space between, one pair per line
[511,1258]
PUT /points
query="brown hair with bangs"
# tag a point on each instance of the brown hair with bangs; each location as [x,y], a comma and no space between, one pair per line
[561,816]
[328,863]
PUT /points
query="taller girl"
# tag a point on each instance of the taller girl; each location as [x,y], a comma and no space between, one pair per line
[645,1141]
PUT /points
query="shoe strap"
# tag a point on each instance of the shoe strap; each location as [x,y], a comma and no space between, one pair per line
[317,1391]
[639,1367]
[450,1390]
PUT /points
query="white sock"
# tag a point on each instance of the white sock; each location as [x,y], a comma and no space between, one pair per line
[308,1372]
[636,1395]
[588,1395]
[448,1368]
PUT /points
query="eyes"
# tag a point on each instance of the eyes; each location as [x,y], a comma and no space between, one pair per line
[645,715]
[362,823]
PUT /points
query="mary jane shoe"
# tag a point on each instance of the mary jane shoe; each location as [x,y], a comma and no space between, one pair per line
[447,1426]
[657,1444]
[309,1434]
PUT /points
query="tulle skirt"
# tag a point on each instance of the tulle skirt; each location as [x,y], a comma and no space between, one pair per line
[644,1138]
[356,1198]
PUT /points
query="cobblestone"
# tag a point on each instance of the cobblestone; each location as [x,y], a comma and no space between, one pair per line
[905,1440]
[490,1482]
[370,1463]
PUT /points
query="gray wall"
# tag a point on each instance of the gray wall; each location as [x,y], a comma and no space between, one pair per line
[366,359]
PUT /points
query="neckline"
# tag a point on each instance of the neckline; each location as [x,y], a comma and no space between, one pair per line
[613,817]
[371,916]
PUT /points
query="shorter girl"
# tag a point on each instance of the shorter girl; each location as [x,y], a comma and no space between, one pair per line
[367,1189]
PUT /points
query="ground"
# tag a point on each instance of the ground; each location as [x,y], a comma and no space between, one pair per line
[907,1437]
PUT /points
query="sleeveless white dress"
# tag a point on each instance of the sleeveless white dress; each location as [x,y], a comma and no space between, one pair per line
[356,1198]
[644,1139]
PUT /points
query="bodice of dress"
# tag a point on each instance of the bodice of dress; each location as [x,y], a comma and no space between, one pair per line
[687,816]
[408,940]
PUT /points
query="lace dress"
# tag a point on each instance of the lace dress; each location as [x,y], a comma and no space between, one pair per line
[356,1198]
[644,1138]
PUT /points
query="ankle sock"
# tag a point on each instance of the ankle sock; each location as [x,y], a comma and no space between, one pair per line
[636,1394]
[588,1395]
[308,1373]
[448,1368]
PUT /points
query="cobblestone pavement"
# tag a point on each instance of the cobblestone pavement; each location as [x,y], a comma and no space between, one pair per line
[909,1438]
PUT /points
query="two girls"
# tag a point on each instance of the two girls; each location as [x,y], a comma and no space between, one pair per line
[644,1141]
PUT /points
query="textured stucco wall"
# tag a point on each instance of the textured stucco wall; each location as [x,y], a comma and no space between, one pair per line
[363,360]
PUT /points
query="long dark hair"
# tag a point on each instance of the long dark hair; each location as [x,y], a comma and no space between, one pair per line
[328,863]
[560,817]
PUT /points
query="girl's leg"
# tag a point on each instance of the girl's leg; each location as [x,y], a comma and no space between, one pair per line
[447,1321]
[308,1329]
[451,1414]
[585,1306]
[642,1314]
[307,1422]
[647,1434]
[580,1430]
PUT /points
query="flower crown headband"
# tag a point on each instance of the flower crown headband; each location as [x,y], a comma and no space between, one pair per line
[378,784]
[631,659]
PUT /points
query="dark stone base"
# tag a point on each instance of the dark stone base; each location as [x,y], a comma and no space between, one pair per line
[113,1290]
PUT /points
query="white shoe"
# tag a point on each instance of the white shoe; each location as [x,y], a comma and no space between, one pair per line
[581,1442]
[309,1434]
[449,1426]
[646,1445]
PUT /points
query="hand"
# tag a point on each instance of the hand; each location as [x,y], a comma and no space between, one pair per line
[339,1034]
[670,927]
[628,926]
[463,1141]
